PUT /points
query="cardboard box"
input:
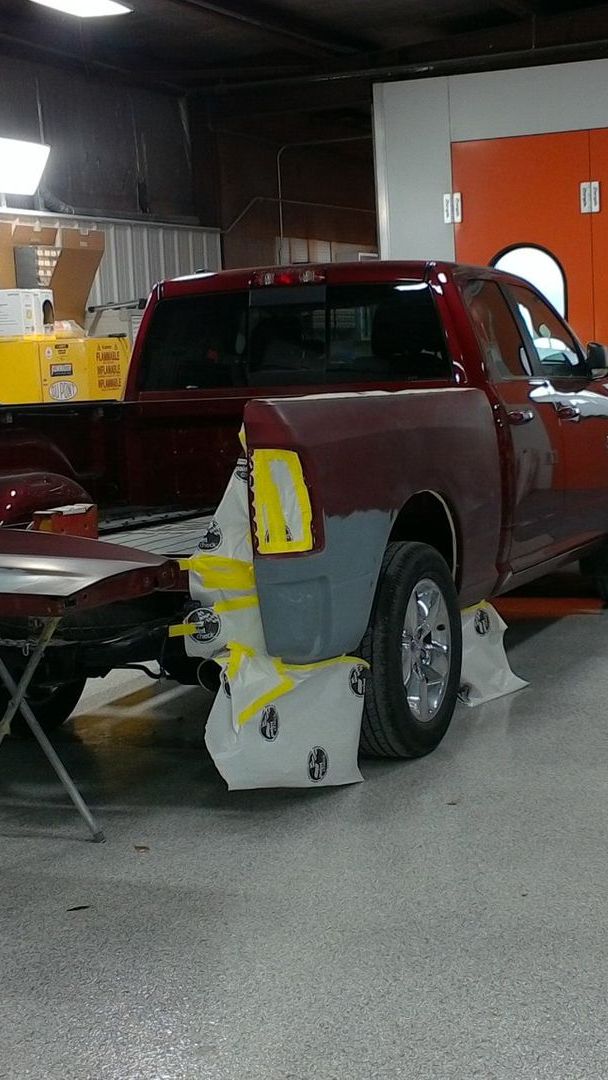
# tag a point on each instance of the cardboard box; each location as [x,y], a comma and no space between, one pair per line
[44,308]
[80,253]
[19,315]
[72,280]
[26,312]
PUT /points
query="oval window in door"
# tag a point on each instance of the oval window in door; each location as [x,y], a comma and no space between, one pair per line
[540,268]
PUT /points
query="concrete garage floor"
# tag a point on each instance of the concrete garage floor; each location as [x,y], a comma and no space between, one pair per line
[446,920]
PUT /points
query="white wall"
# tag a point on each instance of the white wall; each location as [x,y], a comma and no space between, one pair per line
[415,123]
[413,168]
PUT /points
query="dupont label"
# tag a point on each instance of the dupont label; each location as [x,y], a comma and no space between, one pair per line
[60,369]
[482,622]
[318,764]
[269,724]
[63,391]
[208,624]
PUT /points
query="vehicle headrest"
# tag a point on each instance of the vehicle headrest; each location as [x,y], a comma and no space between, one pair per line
[388,337]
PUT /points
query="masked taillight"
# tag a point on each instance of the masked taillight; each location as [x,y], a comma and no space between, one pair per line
[282,519]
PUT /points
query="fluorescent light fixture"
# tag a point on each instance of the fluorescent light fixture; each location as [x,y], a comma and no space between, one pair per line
[86,9]
[21,166]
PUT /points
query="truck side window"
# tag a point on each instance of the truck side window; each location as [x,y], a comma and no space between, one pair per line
[385,333]
[497,333]
[196,343]
[555,347]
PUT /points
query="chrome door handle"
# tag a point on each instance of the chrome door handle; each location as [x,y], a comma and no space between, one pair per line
[567,412]
[517,417]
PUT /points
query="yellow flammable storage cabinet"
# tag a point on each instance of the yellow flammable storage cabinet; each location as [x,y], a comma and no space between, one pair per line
[83,369]
[62,369]
[41,361]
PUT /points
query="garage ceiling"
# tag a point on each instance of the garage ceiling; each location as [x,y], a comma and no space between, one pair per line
[224,46]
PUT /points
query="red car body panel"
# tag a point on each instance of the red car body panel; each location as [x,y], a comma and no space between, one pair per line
[518,506]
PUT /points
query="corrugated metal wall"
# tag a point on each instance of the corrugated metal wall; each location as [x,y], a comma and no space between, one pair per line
[139,254]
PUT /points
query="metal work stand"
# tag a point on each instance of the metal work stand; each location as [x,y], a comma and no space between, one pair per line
[18,702]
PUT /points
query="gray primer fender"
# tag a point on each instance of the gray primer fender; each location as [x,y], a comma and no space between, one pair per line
[325,612]
[364,457]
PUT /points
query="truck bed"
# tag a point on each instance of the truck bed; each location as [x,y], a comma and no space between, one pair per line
[174,538]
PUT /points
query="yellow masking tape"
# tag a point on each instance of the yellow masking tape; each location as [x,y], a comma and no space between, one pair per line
[236,604]
[236,655]
[269,511]
[286,684]
[283,687]
[270,515]
[217,572]
[323,664]
[183,630]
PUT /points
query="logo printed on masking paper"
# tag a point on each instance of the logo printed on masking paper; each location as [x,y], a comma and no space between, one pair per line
[208,624]
[226,685]
[356,679]
[211,538]
[241,469]
[318,764]
[482,622]
[269,724]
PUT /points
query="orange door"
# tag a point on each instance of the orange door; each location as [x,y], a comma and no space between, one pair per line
[526,190]
[599,171]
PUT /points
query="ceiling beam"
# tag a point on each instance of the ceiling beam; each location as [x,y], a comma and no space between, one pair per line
[304,38]
[519,7]
[553,38]
[28,47]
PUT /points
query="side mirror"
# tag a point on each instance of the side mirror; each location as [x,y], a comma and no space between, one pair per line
[597,357]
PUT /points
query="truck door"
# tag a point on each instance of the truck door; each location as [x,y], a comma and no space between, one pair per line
[534,498]
[581,405]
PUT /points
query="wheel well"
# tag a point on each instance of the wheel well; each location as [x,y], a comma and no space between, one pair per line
[427,519]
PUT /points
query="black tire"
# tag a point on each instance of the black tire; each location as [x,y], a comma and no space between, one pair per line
[596,566]
[51,706]
[390,728]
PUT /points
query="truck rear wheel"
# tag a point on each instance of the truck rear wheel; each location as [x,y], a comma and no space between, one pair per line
[51,705]
[414,646]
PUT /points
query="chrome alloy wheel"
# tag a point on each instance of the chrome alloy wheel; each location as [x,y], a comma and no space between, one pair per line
[426,650]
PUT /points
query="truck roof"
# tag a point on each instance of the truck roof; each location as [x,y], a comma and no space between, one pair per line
[370,270]
[346,273]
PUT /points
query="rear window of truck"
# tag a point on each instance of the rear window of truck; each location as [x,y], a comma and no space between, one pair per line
[295,336]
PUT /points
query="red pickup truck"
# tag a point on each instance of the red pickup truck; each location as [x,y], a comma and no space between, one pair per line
[453,436]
